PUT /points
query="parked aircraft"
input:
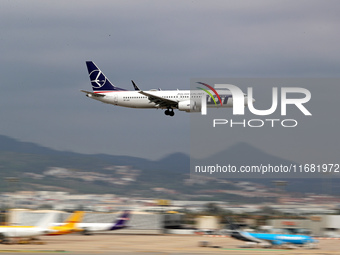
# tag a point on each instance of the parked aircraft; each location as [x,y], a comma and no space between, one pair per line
[42,228]
[183,100]
[268,240]
[119,223]
[69,226]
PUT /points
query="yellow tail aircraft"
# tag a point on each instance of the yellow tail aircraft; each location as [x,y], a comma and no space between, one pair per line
[70,225]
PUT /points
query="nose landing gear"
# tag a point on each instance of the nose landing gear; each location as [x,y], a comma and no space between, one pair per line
[169,112]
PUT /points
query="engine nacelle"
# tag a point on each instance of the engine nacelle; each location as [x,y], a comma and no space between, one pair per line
[190,106]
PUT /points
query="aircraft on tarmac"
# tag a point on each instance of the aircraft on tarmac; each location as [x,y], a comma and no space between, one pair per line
[87,228]
[41,228]
[69,226]
[183,100]
[119,223]
[268,240]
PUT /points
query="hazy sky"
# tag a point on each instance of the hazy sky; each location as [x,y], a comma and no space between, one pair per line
[158,44]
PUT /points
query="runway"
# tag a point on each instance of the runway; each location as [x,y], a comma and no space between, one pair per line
[153,245]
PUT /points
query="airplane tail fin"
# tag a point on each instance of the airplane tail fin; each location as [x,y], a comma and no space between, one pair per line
[73,219]
[121,221]
[232,226]
[100,83]
[46,221]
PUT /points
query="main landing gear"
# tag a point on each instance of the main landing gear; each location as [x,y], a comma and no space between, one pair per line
[169,112]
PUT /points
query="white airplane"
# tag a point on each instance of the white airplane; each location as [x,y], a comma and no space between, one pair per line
[87,228]
[119,223]
[183,100]
[42,228]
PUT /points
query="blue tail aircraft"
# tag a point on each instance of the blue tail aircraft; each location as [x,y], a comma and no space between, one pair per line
[268,240]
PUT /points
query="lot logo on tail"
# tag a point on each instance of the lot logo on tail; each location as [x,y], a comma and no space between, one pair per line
[97,78]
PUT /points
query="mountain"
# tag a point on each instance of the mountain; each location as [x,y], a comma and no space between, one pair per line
[10,144]
[41,168]
[176,161]
[245,154]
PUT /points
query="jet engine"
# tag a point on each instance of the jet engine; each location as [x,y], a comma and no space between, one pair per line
[189,106]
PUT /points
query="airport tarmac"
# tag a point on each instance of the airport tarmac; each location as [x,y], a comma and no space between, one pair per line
[153,245]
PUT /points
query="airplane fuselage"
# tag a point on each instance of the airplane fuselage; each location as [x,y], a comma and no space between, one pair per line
[17,231]
[134,99]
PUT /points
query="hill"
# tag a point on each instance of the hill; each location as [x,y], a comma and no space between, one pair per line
[40,168]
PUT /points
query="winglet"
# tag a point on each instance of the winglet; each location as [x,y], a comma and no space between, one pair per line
[135,86]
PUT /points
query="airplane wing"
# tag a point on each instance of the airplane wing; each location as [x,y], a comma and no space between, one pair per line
[160,101]
[91,94]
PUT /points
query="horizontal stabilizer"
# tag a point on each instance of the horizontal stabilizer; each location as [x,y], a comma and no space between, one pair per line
[91,94]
